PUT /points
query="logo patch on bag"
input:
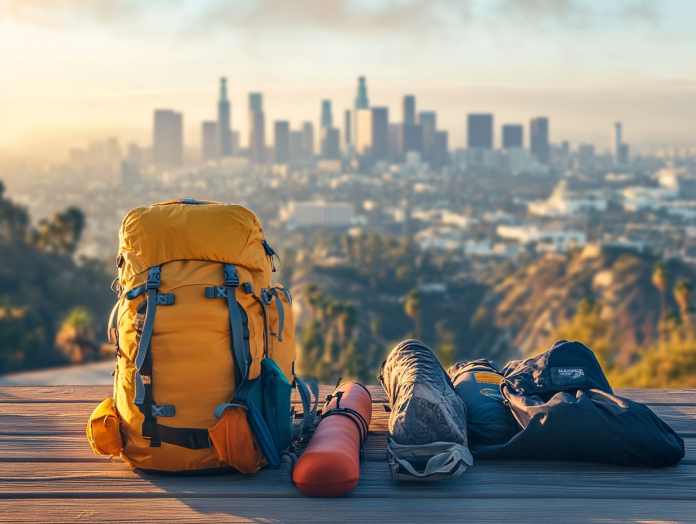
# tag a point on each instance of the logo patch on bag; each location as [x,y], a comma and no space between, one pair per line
[488,378]
[495,393]
[562,376]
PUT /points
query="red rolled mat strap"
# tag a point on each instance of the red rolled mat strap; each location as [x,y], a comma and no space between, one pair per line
[330,466]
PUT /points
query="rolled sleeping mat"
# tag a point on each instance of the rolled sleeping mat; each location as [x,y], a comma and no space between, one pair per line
[330,466]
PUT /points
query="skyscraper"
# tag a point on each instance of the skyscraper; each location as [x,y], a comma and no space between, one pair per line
[308,139]
[410,139]
[620,149]
[513,136]
[281,142]
[347,128]
[372,135]
[224,129]
[296,150]
[428,123]
[409,109]
[361,101]
[209,141]
[480,131]
[539,139]
[168,138]
[257,131]
[330,143]
[326,115]
[440,153]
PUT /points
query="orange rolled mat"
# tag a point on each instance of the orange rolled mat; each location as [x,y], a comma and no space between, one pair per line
[330,466]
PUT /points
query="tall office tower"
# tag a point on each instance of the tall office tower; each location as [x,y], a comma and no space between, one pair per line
[296,150]
[410,139]
[168,138]
[308,139]
[440,153]
[540,139]
[480,131]
[224,132]
[620,149]
[372,135]
[428,122]
[409,110]
[361,102]
[113,150]
[394,153]
[135,154]
[257,129]
[281,142]
[512,136]
[209,141]
[326,115]
[347,128]
[330,143]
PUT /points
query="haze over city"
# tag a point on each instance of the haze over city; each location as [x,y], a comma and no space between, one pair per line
[73,71]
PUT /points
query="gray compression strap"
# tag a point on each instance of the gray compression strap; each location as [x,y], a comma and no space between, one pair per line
[308,412]
[113,324]
[281,313]
[236,334]
[153,280]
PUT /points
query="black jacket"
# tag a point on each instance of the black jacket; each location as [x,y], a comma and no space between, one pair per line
[565,410]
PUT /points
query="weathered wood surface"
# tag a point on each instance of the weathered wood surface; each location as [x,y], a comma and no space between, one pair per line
[48,473]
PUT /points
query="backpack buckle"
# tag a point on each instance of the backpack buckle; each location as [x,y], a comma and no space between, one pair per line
[231,276]
[153,277]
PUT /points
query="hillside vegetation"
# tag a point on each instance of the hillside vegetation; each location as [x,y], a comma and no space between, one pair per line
[49,303]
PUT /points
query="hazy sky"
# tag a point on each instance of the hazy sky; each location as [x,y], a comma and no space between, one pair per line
[73,70]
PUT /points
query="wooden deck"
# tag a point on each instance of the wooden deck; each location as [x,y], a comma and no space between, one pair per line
[48,473]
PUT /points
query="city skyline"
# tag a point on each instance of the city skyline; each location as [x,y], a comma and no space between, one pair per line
[583,64]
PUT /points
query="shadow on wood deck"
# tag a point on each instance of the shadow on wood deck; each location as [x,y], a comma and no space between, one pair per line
[48,473]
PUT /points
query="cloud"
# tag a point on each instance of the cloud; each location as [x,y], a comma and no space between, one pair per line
[359,17]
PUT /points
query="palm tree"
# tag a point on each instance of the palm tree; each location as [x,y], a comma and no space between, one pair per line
[413,307]
[682,294]
[660,278]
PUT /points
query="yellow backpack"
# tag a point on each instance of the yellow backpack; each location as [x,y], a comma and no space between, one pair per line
[205,343]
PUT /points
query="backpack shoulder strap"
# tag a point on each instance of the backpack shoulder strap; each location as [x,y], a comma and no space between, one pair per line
[306,390]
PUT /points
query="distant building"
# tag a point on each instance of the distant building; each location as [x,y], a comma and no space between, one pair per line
[327,214]
[168,138]
[586,156]
[440,153]
[549,238]
[361,102]
[326,115]
[513,136]
[257,131]
[409,110]
[308,139]
[281,142]
[372,134]
[112,151]
[428,122]
[296,145]
[620,149]
[564,202]
[134,155]
[347,128]
[409,138]
[539,139]
[209,141]
[330,143]
[130,174]
[480,131]
[224,129]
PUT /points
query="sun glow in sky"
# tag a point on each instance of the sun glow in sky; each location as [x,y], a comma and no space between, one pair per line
[75,70]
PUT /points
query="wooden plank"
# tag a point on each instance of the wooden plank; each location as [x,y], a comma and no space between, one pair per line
[95,394]
[70,419]
[114,480]
[345,510]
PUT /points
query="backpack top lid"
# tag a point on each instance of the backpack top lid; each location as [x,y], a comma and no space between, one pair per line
[190,230]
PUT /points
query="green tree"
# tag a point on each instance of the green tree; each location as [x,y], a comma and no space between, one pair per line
[75,340]
[412,308]
[683,293]
[660,279]
[60,234]
[14,220]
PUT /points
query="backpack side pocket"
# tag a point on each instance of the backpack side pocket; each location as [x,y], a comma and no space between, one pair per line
[103,429]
